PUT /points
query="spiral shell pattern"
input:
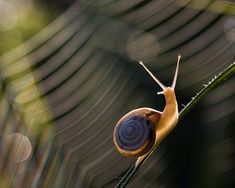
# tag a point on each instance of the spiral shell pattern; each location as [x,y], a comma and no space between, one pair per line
[134,132]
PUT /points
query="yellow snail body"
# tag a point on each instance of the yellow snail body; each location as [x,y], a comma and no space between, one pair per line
[137,132]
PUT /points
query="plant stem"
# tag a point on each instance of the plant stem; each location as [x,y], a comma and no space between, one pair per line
[215,82]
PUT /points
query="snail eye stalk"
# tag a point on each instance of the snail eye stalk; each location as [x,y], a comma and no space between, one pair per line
[176,73]
[151,74]
[158,81]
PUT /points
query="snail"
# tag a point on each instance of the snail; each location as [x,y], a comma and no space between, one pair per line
[142,129]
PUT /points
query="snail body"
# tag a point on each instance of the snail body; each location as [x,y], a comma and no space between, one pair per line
[142,129]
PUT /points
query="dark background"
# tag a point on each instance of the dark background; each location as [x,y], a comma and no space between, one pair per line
[75,73]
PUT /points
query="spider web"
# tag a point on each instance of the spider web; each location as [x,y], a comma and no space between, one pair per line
[67,87]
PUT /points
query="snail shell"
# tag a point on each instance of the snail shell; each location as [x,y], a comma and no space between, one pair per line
[135,133]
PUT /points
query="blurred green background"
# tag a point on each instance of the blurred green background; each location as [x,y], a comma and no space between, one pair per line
[69,71]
